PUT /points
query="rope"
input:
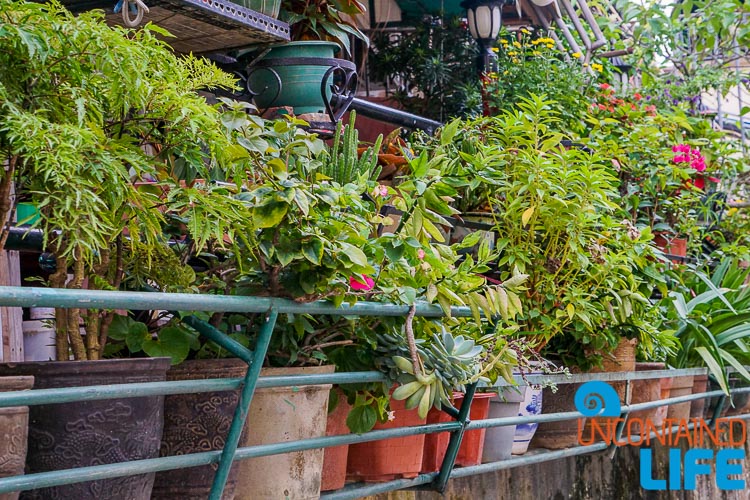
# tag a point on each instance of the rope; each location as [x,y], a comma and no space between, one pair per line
[136,7]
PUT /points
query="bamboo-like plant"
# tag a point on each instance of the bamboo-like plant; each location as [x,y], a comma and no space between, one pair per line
[87,111]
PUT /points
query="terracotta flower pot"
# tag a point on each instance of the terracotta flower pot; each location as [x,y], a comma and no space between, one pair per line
[389,459]
[563,434]
[672,246]
[681,386]
[700,383]
[621,359]
[334,458]
[645,391]
[470,451]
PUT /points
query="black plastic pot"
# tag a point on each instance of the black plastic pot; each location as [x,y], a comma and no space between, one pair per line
[80,434]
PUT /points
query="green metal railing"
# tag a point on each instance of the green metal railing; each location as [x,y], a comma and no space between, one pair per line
[63,298]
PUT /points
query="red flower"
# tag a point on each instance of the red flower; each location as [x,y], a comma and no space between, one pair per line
[365,285]
[604,86]
[637,96]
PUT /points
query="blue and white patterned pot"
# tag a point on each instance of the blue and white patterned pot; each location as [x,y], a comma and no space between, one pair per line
[531,405]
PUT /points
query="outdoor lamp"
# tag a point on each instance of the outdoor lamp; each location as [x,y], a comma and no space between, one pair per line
[485,18]
[623,70]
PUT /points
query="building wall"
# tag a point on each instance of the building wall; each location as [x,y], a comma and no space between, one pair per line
[590,477]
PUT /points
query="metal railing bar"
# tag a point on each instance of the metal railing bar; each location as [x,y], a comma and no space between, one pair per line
[16,296]
[134,390]
[575,378]
[243,407]
[358,490]
[92,473]
[535,458]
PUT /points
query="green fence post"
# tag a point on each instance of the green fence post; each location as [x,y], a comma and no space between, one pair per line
[243,405]
[456,437]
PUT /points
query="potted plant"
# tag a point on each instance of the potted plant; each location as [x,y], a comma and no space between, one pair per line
[711,318]
[81,105]
[299,74]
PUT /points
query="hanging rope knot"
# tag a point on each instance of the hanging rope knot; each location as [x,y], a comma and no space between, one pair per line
[128,7]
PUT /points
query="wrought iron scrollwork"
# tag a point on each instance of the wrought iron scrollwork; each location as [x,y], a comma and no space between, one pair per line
[340,79]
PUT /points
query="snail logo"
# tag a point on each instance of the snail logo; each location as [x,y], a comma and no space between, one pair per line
[597,399]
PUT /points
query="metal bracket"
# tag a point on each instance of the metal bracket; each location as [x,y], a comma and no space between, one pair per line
[455,442]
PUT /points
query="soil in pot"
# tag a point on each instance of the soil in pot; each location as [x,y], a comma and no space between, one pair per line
[280,414]
[472,443]
[84,433]
[196,423]
[388,459]
[14,425]
[499,441]
[334,458]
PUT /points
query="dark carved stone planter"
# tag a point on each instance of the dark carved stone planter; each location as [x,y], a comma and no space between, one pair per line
[80,434]
[196,423]
[14,424]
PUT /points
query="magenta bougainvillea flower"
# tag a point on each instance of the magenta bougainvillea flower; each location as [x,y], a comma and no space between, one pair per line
[695,159]
[364,285]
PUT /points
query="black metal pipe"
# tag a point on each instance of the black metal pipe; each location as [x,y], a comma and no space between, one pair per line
[394,116]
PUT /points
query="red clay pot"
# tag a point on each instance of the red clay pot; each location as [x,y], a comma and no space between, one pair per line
[472,444]
[672,246]
[334,458]
[388,459]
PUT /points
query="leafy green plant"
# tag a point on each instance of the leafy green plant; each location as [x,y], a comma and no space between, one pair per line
[531,65]
[89,111]
[711,319]
[430,71]
[346,164]
[324,20]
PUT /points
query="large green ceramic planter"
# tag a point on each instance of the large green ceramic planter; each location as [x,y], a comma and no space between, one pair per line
[300,83]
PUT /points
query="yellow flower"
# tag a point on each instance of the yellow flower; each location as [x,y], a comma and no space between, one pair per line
[492,76]
[517,45]
[536,53]
[515,60]
[525,31]
[504,41]
[549,45]
[536,42]
[505,73]
[577,55]
[495,50]
[597,67]
[585,65]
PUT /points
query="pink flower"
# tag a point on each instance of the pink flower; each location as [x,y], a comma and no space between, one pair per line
[714,179]
[681,158]
[380,190]
[698,164]
[681,148]
[365,285]
[420,254]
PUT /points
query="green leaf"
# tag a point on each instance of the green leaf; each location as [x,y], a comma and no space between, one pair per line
[270,214]
[172,342]
[361,419]
[714,367]
[313,250]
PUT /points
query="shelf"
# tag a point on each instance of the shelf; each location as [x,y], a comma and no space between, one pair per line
[200,26]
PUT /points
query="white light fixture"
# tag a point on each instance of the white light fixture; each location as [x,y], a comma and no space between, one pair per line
[485,18]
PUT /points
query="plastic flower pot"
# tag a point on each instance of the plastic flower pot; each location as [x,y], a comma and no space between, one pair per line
[500,441]
[470,451]
[389,459]
[334,458]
